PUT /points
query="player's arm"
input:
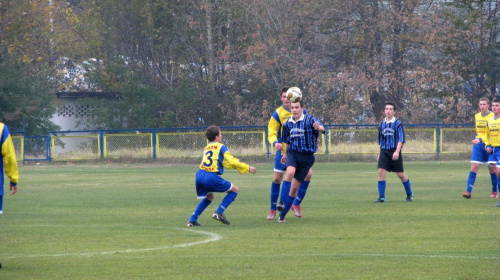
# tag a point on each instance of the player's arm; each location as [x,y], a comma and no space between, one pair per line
[9,160]
[286,140]
[487,141]
[272,129]
[476,139]
[234,163]
[317,125]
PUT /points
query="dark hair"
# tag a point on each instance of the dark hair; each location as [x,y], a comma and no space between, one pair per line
[284,90]
[301,101]
[496,99]
[390,103]
[212,132]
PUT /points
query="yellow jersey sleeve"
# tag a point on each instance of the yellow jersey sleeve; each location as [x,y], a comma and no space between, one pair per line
[234,163]
[9,155]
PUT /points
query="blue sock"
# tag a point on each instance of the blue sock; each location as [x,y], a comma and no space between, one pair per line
[285,190]
[381,188]
[288,204]
[275,193]
[199,209]
[228,199]
[494,182]
[301,193]
[471,181]
[1,203]
[407,186]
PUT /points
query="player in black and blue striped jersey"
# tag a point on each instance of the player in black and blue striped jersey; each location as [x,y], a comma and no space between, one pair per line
[391,140]
[300,133]
[275,136]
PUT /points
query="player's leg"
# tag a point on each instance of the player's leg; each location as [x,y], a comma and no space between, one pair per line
[291,161]
[202,182]
[384,159]
[232,192]
[301,194]
[381,184]
[300,165]
[279,169]
[286,186]
[492,167]
[407,185]
[478,156]
[202,205]
[275,193]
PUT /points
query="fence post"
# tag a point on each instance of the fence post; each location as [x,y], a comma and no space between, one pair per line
[438,141]
[267,142]
[48,147]
[326,140]
[101,142]
[154,143]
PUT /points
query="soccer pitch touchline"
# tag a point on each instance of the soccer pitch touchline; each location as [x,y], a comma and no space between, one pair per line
[399,256]
[211,238]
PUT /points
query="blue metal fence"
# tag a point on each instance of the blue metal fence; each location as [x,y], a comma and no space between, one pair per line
[433,139]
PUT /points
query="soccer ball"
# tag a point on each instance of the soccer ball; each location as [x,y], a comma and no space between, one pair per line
[294,94]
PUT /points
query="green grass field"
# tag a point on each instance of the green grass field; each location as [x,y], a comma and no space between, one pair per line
[125,221]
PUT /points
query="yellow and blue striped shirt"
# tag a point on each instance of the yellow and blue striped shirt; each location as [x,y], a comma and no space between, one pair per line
[216,156]
[481,124]
[8,161]
[493,132]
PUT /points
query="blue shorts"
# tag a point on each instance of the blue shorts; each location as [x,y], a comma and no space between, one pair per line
[278,166]
[480,155]
[496,155]
[208,182]
[302,163]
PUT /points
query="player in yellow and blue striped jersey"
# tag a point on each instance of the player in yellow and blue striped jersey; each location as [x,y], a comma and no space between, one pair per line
[493,133]
[208,180]
[7,162]
[479,154]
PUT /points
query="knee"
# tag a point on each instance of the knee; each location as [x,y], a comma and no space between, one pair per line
[381,173]
[210,196]
[234,189]
[309,175]
[278,177]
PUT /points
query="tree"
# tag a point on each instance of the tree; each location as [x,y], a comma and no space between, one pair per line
[25,97]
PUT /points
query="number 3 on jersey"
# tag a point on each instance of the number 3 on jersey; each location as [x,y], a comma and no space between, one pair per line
[207,159]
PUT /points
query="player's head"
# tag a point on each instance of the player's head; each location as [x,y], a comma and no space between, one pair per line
[212,132]
[390,104]
[484,99]
[285,101]
[284,90]
[495,105]
[297,109]
[484,104]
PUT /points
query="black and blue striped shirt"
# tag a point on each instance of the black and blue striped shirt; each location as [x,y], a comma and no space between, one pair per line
[390,133]
[300,135]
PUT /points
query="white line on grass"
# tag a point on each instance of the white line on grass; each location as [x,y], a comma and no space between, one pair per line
[404,256]
[212,237]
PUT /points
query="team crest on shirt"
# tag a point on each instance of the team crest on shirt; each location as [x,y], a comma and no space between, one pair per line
[388,131]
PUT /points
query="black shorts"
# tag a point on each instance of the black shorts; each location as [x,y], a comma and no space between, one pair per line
[302,163]
[386,162]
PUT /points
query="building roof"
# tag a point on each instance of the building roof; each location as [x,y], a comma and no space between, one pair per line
[89,94]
